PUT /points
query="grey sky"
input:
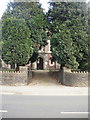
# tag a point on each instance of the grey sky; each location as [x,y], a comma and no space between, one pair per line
[3,5]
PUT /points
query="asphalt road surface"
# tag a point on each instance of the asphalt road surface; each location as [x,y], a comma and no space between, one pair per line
[27,106]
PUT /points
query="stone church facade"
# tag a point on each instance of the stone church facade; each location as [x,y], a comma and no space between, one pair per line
[43,61]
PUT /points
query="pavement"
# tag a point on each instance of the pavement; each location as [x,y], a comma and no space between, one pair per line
[44,84]
[36,89]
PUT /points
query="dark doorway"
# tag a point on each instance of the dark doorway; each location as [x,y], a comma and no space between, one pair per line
[40,63]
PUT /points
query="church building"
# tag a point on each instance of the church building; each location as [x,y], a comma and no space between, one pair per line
[43,61]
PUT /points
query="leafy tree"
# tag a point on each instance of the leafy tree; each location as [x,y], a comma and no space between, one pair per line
[62,47]
[35,19]
[38,26]
[25,10]
[69,39]
[39,36]
[1,42]
[17,45]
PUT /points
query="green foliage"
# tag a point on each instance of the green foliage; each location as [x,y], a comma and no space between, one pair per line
[32,14]
[17,45]
[25,10]
[38,26]
[63,47]
[1,42]
[34,18]
[24,22]
[69,39]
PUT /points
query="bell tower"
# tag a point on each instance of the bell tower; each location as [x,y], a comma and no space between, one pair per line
[45,53]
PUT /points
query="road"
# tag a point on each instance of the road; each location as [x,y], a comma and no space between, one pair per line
[31,106]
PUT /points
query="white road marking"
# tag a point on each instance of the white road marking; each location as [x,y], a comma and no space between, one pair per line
[75,112]
[3,111]
[5,93]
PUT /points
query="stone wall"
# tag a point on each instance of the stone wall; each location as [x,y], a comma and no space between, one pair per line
[15,78]
[24,77]
[76,79]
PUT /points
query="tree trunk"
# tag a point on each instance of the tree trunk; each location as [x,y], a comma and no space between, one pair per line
[12,66]
[17,68]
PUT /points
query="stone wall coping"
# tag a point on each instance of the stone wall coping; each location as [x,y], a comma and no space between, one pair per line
[70,71]
[16,72]
[82,72]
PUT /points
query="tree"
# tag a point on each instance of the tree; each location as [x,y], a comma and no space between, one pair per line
[38,25]
[17,45]
[62,47]
[69,39]
[25,10]
[1,42]
[35,19]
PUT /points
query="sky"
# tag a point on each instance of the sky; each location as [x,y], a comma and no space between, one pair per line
[3,5]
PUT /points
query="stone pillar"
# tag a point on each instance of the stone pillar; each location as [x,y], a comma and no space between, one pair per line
[34,65]
[62,76]
[48,45]
[45,62]
[57,65]
[45,65]
[23,69]
[15,65]
[9,66]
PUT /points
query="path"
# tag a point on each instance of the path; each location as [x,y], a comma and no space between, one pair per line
[46,78]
